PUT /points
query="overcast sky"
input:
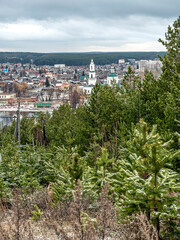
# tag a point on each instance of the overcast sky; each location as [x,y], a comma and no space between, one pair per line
[85,26]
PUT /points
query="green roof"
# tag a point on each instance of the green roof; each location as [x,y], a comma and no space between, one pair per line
[43,104]
[89,85]
[112,75]
[83,77]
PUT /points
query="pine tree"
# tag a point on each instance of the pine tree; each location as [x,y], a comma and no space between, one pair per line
[148,183]
[47,84]
[130,80]
[169,82]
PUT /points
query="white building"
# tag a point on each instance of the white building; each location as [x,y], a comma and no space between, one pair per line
[59,65]
[121,61]
[91,80]
[112,77]
[6,96]
[92,74]
[150,65]
[88,89]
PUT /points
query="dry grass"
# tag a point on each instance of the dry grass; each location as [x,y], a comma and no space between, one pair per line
[73,220]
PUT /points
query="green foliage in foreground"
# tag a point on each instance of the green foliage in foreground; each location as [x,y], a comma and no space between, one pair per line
[128,137]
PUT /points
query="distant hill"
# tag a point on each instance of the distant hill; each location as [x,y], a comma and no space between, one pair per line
[76,59]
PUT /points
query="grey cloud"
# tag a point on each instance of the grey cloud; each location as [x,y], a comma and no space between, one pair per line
[43,9]
[85,29]
[81,34]
[81,25]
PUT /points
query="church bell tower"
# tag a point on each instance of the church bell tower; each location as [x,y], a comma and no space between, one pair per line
[92,74]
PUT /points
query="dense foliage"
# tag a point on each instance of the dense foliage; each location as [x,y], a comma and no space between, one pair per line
[128,137]
[74,59]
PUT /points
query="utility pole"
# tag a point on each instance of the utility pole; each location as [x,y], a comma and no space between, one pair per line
[1,132]
[17,129]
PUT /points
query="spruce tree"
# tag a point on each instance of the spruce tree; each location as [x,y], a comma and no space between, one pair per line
[148,182]
[47,84]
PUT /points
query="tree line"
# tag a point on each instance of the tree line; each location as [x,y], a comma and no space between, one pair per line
[75,59]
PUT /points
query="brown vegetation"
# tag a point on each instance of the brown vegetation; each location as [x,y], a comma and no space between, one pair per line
[75,220]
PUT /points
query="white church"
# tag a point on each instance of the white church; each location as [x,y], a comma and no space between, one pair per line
[112,77]
[91,80]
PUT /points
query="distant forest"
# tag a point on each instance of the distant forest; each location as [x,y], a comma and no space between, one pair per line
[76,59]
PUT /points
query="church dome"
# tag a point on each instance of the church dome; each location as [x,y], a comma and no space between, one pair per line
[112,74]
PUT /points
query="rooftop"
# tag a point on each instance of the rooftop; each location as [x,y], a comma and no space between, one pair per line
[89,86]
[112,75]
